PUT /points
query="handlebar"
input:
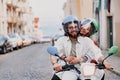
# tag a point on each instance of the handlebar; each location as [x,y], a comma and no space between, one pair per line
[68,67]
[100,66]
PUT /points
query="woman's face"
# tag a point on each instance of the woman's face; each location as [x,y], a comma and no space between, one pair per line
[84,30]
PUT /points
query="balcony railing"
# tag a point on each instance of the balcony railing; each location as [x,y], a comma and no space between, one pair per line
[12,19]
[9,2]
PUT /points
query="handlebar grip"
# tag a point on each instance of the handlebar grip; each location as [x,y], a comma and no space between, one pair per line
[69,67]
[111,69]
[100,66]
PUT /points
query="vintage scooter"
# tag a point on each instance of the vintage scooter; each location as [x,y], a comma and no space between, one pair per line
[87,69]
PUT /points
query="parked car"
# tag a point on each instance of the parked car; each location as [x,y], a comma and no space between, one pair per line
[26,40]
[16,40]
[33,39]
[45,39]
[56,37]
[5,44]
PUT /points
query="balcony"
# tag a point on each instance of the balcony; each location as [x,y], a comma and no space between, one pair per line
[9,3]
[20,22]
[12,19]
[22,10]
[15,4]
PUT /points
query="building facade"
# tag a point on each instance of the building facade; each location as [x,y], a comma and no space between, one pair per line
[80,8]
[3,17]
[106,12]
[14,16]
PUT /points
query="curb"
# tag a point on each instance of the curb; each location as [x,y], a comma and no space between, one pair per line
[115,72]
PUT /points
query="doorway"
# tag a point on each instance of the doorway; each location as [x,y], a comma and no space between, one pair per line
[110,31]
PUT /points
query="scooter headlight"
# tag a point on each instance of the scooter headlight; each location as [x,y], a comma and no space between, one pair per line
[88,69]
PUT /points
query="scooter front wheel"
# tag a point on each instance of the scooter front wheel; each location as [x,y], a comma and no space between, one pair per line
[55,77]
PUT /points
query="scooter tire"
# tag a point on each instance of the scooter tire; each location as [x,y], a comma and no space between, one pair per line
[103,77]
[55,77]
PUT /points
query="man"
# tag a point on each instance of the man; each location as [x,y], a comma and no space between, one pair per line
[74,49]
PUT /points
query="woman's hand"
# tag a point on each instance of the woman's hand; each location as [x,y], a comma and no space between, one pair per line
[75,60]
[70,58]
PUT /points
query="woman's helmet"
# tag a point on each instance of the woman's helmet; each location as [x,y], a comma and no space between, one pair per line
[68,20]
[94,25]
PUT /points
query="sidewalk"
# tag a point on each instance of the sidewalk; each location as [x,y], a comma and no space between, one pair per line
[114,61]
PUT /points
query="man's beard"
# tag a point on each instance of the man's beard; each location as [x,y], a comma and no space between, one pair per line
[73,36]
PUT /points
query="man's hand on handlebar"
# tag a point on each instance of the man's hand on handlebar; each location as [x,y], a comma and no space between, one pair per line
[106,64]
[57,67]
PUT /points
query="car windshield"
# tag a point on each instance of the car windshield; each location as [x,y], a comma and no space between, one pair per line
[46,36]
[12,36]
[1,38]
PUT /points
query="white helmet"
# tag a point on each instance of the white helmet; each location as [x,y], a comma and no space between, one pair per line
[69,19]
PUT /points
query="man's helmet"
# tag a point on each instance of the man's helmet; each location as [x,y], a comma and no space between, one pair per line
[70,19]
[94,24]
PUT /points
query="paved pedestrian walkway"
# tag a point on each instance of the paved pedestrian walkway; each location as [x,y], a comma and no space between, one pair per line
[114,60]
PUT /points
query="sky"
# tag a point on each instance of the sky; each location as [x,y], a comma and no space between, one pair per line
[50,13]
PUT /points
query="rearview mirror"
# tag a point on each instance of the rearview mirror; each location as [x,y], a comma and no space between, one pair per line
[52,50]
[113,50]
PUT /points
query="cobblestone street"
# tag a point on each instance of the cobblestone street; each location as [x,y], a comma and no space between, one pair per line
[29,63]
[114,61]
[32,63]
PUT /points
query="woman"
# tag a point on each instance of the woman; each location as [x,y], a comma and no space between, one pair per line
[89,27]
